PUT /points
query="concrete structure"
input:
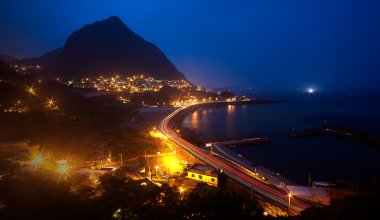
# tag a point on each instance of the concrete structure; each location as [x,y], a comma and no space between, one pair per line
[204,174]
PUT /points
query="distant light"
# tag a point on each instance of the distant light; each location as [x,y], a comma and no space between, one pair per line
[181,190]
[310,91]
[31,90]
[51,101]
[62,169]
[290,195]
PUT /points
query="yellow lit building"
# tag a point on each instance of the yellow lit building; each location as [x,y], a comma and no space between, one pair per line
[204,174]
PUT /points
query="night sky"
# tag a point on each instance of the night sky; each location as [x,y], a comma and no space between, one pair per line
[264,44]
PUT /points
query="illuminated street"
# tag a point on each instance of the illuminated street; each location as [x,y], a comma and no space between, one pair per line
[234,170]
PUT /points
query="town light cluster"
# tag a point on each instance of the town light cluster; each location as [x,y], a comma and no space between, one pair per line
[133,84]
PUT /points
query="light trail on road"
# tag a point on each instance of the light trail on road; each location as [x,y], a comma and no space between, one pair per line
[233,170]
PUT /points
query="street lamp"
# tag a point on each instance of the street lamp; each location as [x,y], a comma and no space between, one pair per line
[289,197]
[50,102]
[181,190]
[31,90]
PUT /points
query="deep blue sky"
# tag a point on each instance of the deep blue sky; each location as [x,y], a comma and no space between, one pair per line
[258,43]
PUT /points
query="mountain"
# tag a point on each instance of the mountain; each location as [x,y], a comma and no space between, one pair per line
[106,47]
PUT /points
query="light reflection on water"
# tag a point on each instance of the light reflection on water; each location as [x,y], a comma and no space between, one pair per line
[194,121]
[326,158]
[230,118]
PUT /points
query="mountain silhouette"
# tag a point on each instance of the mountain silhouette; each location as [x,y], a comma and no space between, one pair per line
[106,47]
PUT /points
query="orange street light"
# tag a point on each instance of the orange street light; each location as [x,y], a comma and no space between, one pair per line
[31,90]
[50,102]
[289,197]
[181,190]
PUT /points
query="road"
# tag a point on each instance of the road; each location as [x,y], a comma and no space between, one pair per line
[234,170]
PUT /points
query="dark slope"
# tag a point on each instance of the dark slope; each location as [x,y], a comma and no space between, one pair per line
[103,47]
[109,46]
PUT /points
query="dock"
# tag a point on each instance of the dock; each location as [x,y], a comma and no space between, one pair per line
[338,132]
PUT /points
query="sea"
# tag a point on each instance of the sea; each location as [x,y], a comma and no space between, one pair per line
[324,158]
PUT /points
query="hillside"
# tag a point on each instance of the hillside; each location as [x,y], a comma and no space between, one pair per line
[101,48]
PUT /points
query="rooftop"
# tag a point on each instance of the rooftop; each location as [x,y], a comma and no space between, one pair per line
[201,169]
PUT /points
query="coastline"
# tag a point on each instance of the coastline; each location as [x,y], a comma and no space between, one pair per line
[301,151]
[263,182]
[200,141]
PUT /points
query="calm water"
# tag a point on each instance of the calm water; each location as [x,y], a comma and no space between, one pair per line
[325,158]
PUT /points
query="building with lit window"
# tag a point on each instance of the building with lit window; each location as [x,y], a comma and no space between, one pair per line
[204,174]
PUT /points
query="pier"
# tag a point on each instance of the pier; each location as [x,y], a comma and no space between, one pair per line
[338,132]
[243,142]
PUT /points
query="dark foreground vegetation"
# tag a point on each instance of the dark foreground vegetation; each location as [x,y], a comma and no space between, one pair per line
[117,197]
[42,196]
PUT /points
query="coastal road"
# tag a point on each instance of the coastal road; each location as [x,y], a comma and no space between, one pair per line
[234,170]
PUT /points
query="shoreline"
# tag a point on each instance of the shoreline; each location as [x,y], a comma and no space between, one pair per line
[200,141]
[264,182]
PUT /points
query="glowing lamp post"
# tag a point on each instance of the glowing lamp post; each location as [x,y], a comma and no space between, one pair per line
[50,102]
[289,198]
[181,190]
[31,90]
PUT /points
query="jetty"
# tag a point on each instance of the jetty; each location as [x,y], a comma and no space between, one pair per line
[338,132]
[243,142]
